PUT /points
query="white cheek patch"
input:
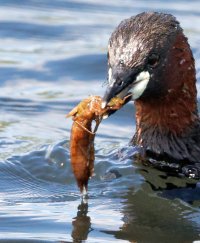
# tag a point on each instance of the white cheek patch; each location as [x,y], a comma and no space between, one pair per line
[140,84]
[110,80]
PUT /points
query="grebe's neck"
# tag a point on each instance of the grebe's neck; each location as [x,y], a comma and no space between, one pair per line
[169,128]
[169,124]
[172,115]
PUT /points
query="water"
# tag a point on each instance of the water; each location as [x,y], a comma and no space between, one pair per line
[53,54]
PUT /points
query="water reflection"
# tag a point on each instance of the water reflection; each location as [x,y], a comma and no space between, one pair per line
[53,54]
[151,218]
[81,224]
[148,213]
[172,187]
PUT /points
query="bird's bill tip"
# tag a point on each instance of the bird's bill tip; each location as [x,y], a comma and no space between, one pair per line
[103,104]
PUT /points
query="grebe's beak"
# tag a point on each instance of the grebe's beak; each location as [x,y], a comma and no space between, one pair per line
[134,82]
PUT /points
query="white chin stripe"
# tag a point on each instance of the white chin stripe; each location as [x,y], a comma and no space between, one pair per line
[140,84]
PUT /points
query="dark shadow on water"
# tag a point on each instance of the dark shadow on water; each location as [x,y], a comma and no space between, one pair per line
[153,219]
[81,224]
[151,213]
[189,194]
[85,67]
[156,214]
[172,187]
[82,68]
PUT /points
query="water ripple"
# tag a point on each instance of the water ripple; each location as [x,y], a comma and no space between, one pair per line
[53,54]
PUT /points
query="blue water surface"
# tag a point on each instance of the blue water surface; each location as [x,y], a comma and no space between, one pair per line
[52,55]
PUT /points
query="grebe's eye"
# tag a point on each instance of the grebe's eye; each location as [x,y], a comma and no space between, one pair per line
[153,60]
[121,62]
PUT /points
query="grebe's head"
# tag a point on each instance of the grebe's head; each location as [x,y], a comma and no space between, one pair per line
[149,56]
